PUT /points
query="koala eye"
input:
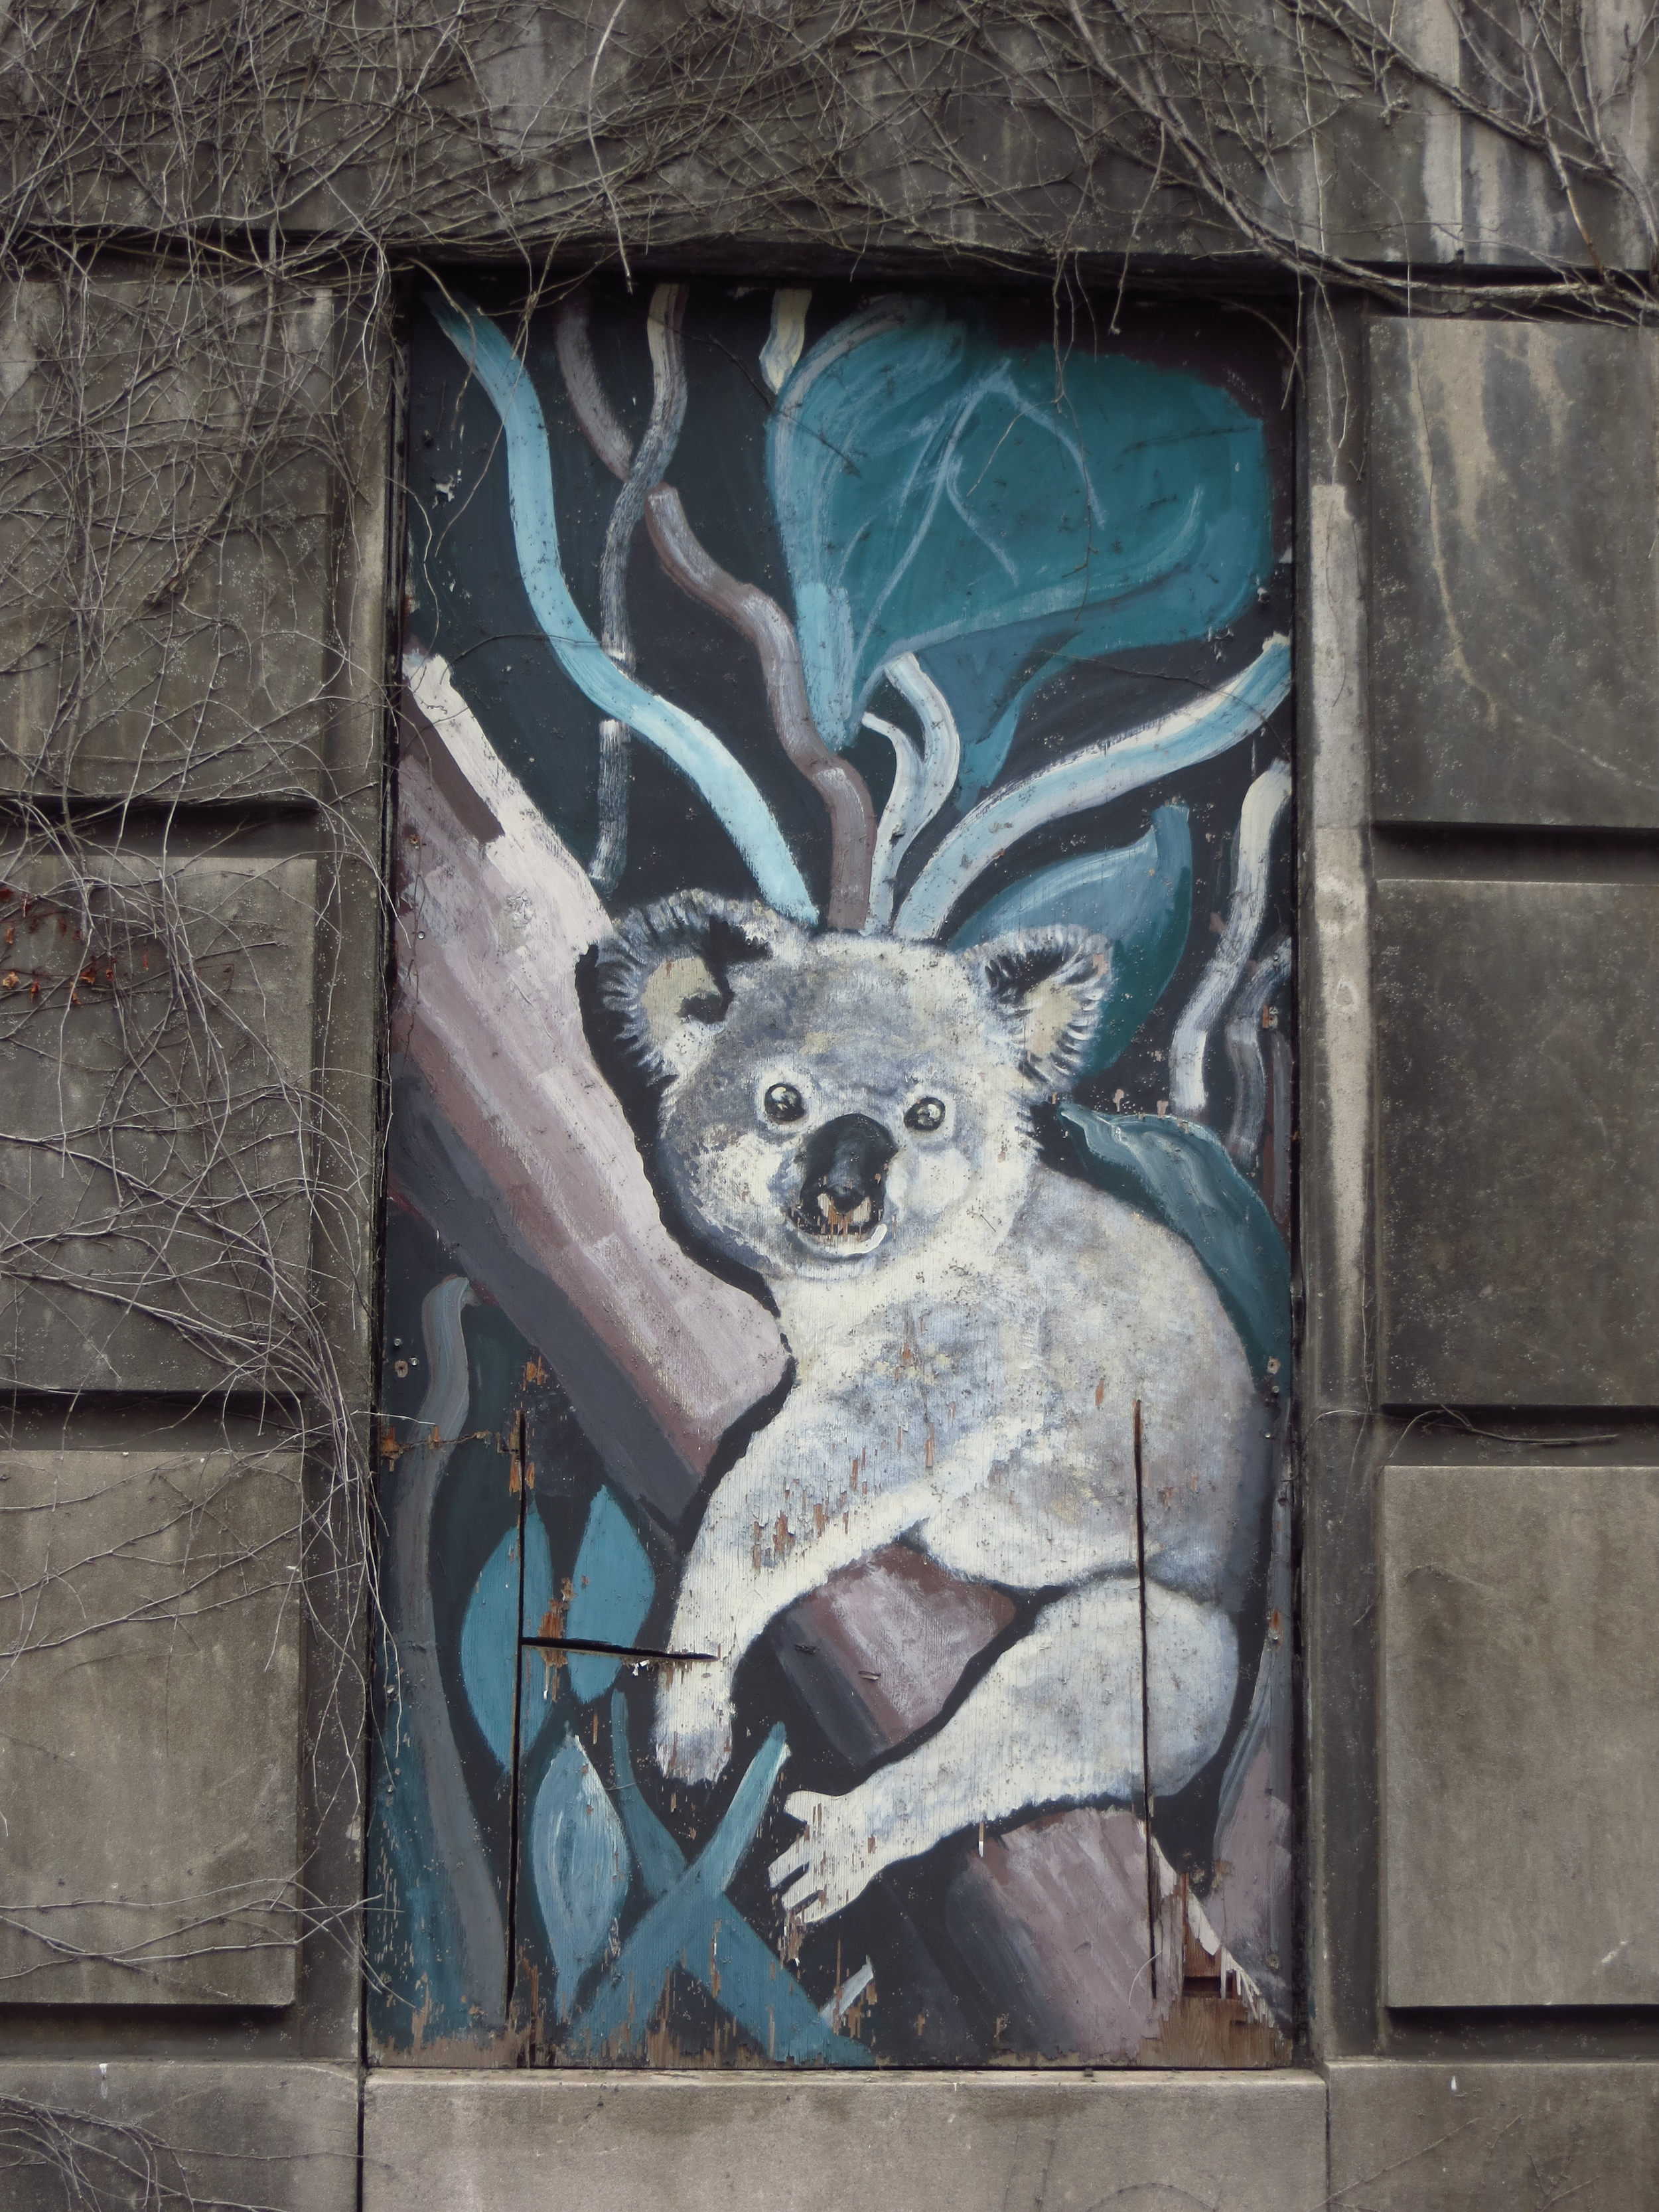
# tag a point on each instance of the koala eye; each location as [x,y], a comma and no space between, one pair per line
[927,1113]
[783,1102]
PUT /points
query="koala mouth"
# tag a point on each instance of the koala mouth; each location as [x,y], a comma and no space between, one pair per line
[844,1169]
[854,1231]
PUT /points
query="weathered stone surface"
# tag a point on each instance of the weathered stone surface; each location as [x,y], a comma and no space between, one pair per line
[1515,652]
[805,133]
[149,1727]
[1520,1732]
[1363,172]
[1518,1130]
[132,2135]
[1490,2138]
[166,470]
[974,2143]
[156,1028]
[1336,1853]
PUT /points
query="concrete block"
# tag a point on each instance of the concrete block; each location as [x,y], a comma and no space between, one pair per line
[154,1228]
[1514,653]
[166,575]
[1492,2137]
[1515,214]
[1521,1735]
[149,1727]
[1006,151]
[1362,177]
[1517,1072]
[133,2135]
[978,2143]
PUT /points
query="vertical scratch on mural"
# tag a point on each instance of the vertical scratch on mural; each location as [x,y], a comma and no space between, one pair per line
[1250,1011]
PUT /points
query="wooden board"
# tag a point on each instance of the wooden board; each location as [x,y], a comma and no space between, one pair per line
[838,1337]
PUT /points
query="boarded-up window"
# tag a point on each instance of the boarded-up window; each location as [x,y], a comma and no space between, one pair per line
[838,1334]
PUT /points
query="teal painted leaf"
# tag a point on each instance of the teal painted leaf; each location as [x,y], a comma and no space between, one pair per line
[658,1858]
[744,1974]
[580,1864]
[613,1589]
[937,496]
[489,1640]
[1139,897]
[1178,1173]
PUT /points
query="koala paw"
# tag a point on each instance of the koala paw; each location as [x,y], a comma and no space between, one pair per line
[694,1723]
[834,1862]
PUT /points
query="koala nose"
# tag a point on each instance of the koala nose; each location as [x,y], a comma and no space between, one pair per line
[843,1166]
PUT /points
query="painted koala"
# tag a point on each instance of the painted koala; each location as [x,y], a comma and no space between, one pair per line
[851,1116]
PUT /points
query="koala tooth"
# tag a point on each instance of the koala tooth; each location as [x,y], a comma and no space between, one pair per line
[840,1224]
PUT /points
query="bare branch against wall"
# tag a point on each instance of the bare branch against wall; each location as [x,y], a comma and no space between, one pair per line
[206,213]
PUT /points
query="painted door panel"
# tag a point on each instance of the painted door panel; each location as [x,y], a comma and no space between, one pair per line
[838,1334]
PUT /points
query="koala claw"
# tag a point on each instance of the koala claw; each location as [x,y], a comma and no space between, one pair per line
[833,1862]
[694,1728]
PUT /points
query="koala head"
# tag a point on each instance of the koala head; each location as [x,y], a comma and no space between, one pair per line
[837,1102]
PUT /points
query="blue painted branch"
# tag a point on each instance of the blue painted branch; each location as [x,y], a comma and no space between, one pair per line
[680,737]
[658,1858]
[1091,777]
[454,1935]
[691,1926]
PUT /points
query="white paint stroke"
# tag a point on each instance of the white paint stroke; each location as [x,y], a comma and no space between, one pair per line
[922,782]
[848,1995]
[1177,1905]
[787,337]
[898,825]
[1093,776]
[1264,802]
[1339,969]
[1243,1039]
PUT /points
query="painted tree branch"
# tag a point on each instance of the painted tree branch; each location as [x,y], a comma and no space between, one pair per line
[656,450]
[416,1702]
[754,613]
[682,740]
[495,915]
[1211,724]
[1265,801]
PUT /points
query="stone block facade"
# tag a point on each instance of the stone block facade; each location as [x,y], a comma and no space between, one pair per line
[199,598]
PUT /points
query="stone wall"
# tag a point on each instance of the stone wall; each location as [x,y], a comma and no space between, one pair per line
[196,587]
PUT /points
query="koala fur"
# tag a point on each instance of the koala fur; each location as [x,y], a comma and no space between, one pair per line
[851,1116]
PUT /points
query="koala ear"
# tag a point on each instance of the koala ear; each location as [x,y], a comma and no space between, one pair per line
[1053,984]
[666,974]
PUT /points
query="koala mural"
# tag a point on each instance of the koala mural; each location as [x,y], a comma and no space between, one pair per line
[868,1270]
[982,1344]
